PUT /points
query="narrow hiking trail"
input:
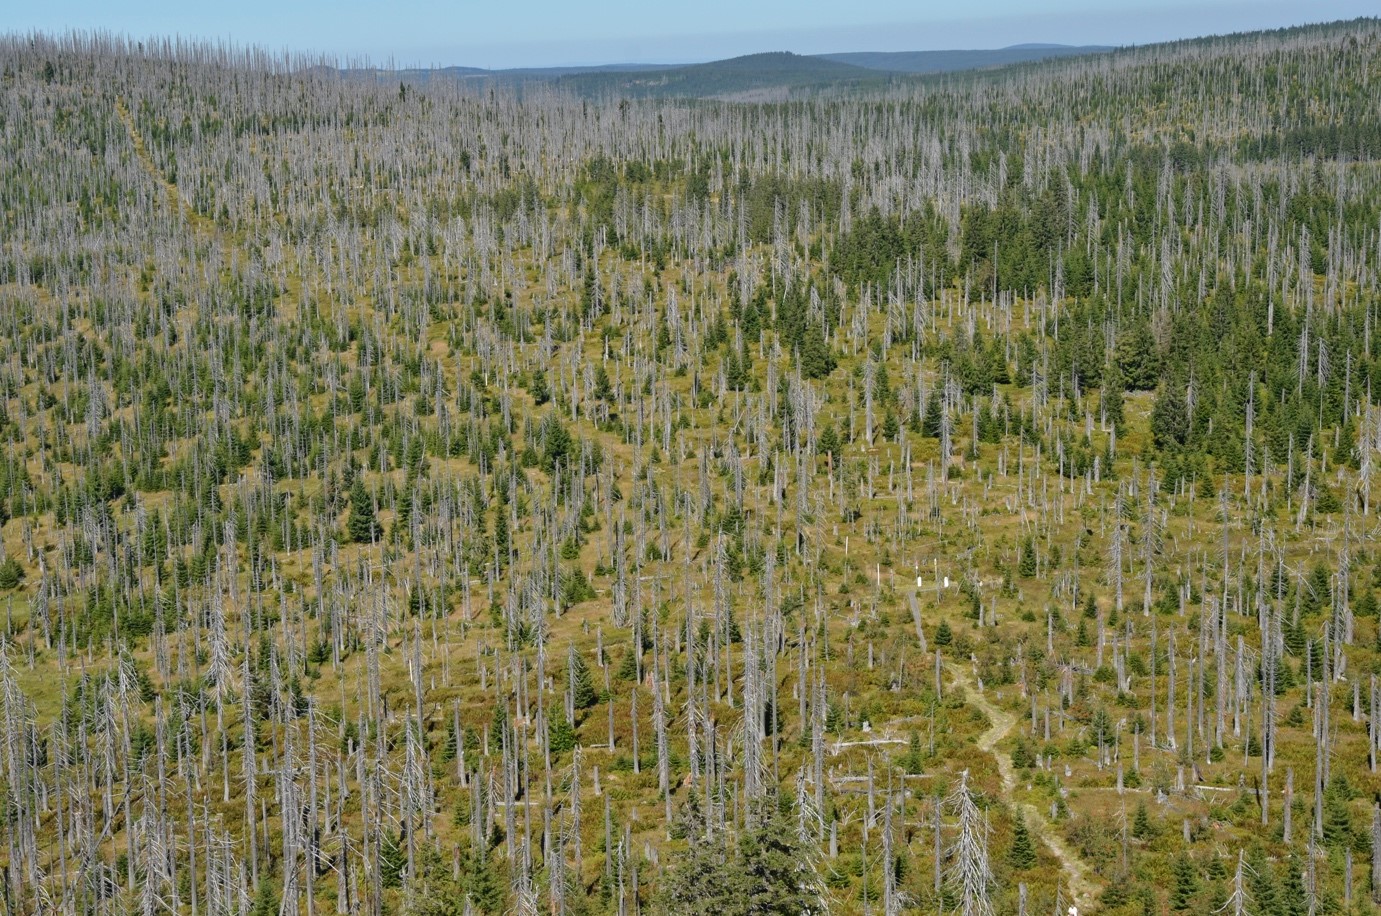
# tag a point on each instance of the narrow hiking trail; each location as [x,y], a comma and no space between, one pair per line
[1078,875]
[176,201]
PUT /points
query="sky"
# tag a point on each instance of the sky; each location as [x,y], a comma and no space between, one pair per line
[522,33]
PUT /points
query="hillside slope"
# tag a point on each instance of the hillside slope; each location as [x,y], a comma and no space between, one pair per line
[949,61]
[959,493]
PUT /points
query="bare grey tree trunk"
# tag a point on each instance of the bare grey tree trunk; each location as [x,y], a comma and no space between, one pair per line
[1376,853]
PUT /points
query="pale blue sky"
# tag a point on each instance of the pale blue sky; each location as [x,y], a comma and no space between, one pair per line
[485,33]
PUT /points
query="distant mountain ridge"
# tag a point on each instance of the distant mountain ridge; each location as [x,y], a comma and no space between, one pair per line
[751,75]
[509,75]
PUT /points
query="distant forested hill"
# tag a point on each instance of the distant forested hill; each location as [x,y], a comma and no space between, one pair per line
[781,71]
